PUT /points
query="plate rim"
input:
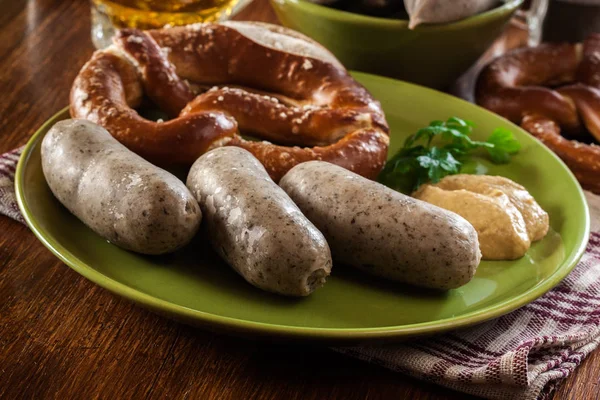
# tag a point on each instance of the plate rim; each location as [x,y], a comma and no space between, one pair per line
[237,325]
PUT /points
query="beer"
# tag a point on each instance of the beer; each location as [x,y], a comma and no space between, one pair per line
[108,15]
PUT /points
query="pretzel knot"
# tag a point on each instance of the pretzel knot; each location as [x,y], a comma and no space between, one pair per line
[219,81]
[549,90]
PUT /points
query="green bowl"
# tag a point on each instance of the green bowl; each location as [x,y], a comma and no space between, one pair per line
[430,55]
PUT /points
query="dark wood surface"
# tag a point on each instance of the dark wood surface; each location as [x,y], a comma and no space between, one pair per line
[63,337]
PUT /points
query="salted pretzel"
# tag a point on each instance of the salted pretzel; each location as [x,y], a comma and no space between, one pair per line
[551,89]
[582,159]
[218,82]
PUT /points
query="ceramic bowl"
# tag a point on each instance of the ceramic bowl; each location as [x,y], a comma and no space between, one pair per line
[430,55]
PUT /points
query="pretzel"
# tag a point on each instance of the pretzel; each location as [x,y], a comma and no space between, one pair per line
[548,90]
[582,159]
[218,82]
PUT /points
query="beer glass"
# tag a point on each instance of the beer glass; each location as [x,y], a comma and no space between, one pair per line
[108,15]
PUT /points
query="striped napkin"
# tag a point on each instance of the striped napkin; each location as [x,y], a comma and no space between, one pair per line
[8,202]
[522,355]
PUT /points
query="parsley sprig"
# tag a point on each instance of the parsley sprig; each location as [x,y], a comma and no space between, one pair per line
[439,150]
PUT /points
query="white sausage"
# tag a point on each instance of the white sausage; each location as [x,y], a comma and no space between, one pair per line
[384,232]
[254,225]
[119,195]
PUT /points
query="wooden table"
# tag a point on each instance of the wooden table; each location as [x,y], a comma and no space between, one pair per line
[63,337]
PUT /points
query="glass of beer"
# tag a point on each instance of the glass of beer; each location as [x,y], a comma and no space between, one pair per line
[108,15]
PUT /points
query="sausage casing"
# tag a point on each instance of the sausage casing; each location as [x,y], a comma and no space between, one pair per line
[255,227]
[119,195]
[384,232]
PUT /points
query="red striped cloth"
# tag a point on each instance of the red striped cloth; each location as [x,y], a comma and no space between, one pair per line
[522,355]
[8,166]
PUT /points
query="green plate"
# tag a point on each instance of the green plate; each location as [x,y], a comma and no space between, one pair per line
[194,286]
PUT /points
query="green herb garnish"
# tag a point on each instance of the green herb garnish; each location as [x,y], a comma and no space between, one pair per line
[440,150]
